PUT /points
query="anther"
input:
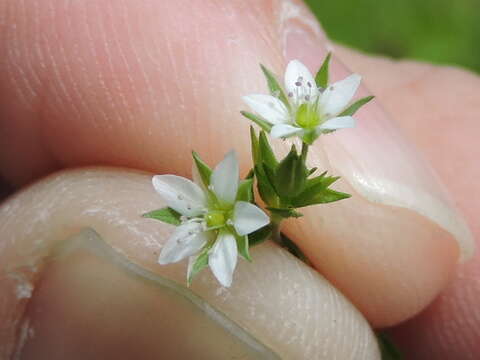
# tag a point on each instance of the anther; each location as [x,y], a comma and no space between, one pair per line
[290,94]
[307,97]
[309,84]
[298,83]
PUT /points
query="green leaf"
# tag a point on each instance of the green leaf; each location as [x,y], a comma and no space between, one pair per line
[352,109]
[268,157]
[321,197]
[200,263]
[285,212]
[294,249]
[256,155]
[203,169]
[243,247]
[291,175]
[274,87]
[166,214]
[321,79]
[312,170]
[270,173]
[260,235]
[265,188]
[388,350]
[266,126]
[245,190]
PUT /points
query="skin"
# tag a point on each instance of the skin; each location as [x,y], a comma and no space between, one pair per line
[133,84]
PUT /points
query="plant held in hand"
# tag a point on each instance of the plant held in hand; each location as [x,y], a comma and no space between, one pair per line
[216,215]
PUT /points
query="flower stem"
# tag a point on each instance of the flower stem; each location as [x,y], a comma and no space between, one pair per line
[304,152]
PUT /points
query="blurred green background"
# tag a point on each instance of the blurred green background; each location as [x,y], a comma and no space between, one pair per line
[438,31]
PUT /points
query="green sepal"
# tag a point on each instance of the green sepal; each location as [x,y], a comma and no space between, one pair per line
[264,125]
[267,155]
[243,247]
[166,215]
[388,350]
[274,87]
[309,136]
[291,175]
[285,213]
[260,235]
[352,109]
[203,169]
[245,190]
[321,79]
[200,263]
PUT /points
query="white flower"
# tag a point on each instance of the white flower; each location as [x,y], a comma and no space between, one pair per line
[212,218]
[310,111]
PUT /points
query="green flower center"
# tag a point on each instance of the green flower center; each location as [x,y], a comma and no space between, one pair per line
[307,116]
[215,219]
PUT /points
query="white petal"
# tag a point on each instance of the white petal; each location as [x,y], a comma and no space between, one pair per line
[224,179]
[337,96]
[186,240]
[268,107]
[299,82]
[223,258]
[248,218]
[340,122]
[182,195]
[284,131]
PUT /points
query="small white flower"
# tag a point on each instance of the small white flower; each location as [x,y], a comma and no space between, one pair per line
[211,218]
[310,111]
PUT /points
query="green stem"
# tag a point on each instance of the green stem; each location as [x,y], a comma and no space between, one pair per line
[304,152]
[276,233]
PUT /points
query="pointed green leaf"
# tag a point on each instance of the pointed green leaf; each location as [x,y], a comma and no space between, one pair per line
[200,263]
[167,215]
[245,190]
[268,156]
[243,247]
[312,170]
[270,175]
[322,197]
[265,188]
[256,155]
[274,87]
[352,109]
[285,212]
[264,125]
[203,169]
[250,175]
[260,235]
[291,175]
[321,79]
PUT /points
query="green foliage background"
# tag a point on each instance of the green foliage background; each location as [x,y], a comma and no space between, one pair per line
[438,31]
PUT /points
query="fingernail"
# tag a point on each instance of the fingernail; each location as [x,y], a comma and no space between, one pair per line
[375,158]
[92,303]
